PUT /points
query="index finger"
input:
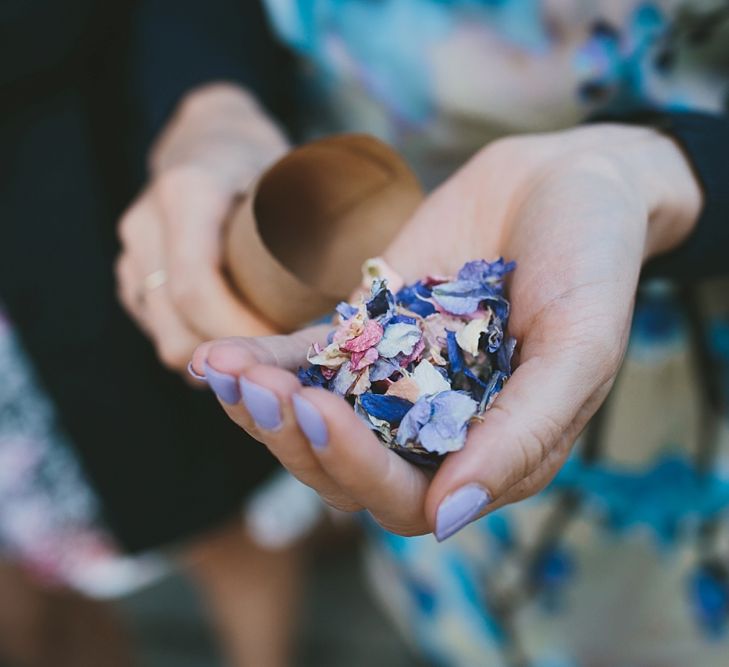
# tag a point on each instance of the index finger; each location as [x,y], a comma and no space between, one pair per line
[193,209]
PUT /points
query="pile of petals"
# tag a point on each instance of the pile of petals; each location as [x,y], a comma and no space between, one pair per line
[421,364]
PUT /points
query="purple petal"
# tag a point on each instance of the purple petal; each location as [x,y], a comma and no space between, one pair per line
[488,273]
[461,297]
[413,421]
[383,369]
[346,310]
[344,379]
[448,425]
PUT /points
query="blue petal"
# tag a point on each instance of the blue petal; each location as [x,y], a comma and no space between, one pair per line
[403,319]
[461,297]
[414,297]
[311,377]
[504,355]
[390,408]
[493,387]
[382,302]
[455,355]
[494,336]
[500,306]
[342,382]
[346,310]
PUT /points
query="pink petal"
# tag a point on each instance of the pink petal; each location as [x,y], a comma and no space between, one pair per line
[360,360]
[370,336]
[405,388]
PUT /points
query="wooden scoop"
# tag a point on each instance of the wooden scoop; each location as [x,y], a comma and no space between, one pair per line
[296,243]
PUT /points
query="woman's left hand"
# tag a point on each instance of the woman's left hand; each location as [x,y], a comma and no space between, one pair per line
[579,211]
[169,272]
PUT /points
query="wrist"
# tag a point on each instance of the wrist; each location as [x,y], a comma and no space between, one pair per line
[219,99]
[221,129]
[663,177]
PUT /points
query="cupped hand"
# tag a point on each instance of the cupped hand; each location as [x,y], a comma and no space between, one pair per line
[579,211]
[169,272]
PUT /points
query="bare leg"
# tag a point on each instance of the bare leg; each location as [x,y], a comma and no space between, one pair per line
[252,595]
[42,628]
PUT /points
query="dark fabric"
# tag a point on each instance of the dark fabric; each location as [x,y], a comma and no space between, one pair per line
[705,141]
[164,461]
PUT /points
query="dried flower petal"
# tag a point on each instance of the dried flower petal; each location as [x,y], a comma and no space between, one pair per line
[346,310]
[429,380]
[461,297]
[447,427]
[382,369]
[418,366]
[468,338]
[406,388]
[370,336]
[438,422]
[416,298]
[390,408]
[360,360]
[490,273]
[399,338]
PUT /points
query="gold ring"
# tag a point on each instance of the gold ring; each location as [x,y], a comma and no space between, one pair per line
[154,280]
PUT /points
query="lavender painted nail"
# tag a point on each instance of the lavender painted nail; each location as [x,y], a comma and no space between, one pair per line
[311,422]
[192,372]
[225,386]
[262,404]
[459,509]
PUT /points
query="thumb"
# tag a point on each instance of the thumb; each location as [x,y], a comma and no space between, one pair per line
[523,439]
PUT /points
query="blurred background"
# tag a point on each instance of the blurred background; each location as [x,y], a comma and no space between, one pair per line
[138,526]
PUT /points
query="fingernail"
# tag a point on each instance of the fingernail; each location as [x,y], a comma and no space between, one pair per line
[459,509]
[311,422]
[225,386]
[192,372]
[262,404]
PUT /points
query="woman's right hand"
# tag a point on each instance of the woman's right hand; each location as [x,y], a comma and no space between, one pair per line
[169,272]
[579,211]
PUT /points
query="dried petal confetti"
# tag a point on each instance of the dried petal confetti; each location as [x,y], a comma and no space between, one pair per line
[421,364]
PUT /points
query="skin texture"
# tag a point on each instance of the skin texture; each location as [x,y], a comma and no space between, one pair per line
[580,211]
[216,143]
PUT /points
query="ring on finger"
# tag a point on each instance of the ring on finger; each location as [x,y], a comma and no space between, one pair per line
[151,282]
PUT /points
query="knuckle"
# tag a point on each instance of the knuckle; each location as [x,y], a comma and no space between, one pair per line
[341,503]
[533,439]
[179,179]
[184,293]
